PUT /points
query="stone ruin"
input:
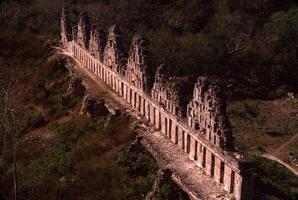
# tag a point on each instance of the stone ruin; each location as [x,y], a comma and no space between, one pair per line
[171,92]
[66,30]
[97,41]
[113,53]
[84,28]
[138,69]
[206,113]
[194,120]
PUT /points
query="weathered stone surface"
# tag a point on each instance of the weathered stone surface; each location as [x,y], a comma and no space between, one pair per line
[113,53]
[84,28]
[207,113]
[138,71]
[66,31]
[171,92]
[97,42]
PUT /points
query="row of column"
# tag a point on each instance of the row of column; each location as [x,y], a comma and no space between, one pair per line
[213,165]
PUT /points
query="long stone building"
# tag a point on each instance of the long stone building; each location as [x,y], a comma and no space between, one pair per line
[198,127]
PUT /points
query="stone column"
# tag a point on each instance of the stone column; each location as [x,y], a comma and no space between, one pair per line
[116,84]
[142,106]
[217,168]
[179,137]
[138,102]
[199,154]
[192,148]
[163,124]
[152,115]
[227,178]
[173,128]
[170,128]
[147,112]
[125,93]
[157,113]
[208,162]
[238,187]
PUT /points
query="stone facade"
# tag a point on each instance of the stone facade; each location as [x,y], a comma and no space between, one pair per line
[170,92]
[203,132]
[66,31]
[97,42]
[138,69]
[113,53]
[207,113]
[84,28]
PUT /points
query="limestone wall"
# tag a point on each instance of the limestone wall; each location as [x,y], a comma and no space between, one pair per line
[66,30]
[113,54]
[170,92]
[84,28]
[206,111]
[97,41]
[138,69]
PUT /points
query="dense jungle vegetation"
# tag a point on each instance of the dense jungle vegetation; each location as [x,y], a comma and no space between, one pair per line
[250,44]
[48,150]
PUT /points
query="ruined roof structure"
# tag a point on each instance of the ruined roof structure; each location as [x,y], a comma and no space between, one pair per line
[205,137]
[97,41]
[84,28]
[170,92]
[207,113]
[138,71]
[113,53]
[66,31]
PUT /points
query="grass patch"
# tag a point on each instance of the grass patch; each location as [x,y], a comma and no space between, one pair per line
[273,181]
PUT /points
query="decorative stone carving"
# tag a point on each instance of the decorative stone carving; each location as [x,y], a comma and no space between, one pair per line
[171,92]
[97,42]
[84,28]
[113,54]
[138,71]
[66,31]
[207,113]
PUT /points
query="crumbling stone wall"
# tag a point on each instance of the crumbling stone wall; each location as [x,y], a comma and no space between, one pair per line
[84,28]
[206,113]
[66,30]
[138,69]
[206,138]
[97,41]
[113,53]
[170,92]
